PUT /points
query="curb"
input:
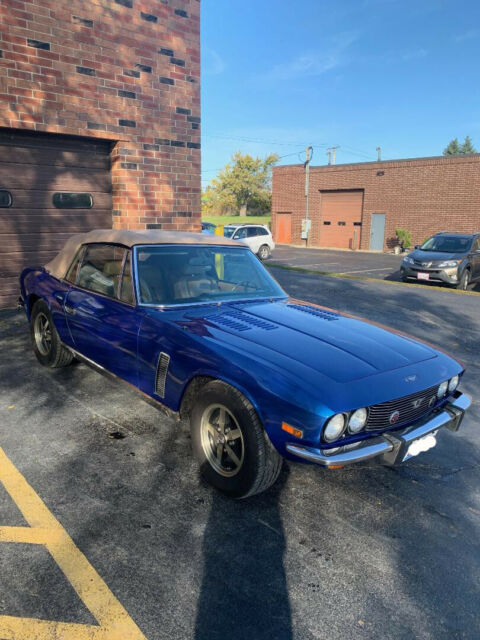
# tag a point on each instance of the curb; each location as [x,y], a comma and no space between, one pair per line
[333,274]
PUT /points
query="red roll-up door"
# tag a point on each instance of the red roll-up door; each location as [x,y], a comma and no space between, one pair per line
[341,219]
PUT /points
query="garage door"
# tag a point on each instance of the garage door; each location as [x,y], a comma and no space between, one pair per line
[50,188]
[341,219]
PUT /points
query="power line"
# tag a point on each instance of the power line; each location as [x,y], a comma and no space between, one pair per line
[262,141]
[287,155]
[358,152]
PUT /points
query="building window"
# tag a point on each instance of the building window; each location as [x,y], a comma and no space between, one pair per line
[342,224]
[72,200]
[5,198]
[327,222]
[357,224]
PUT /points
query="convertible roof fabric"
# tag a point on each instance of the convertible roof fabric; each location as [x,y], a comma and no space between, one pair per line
[58,267]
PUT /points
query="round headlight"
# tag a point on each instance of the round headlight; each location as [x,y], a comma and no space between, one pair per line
[442,389]
[453,384]
[334,428]
[357,420]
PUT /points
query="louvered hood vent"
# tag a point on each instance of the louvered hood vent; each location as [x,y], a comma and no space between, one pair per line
[161,377]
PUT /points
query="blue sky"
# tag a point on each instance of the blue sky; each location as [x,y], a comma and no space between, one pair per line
[280,74]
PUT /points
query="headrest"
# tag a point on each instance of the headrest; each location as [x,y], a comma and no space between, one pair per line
[113,268]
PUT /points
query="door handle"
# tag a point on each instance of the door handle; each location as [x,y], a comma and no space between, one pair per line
[70,310]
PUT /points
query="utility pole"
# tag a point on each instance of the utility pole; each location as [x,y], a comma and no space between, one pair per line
[379,154]
[331,154]
[306,226]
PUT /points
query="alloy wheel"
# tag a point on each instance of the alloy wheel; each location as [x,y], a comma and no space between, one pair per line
[43,334]
[222,440]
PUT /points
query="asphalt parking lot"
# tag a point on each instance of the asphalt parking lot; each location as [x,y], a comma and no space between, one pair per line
[369,552]
[358,264]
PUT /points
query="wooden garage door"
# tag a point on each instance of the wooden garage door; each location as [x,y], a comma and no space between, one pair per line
[341,219]
[34,224]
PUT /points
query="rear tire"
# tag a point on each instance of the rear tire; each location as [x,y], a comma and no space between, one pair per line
[264,252]
[464,281]
[234,452]
[46,342]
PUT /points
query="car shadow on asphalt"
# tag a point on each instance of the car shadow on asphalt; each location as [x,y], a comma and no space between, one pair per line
[244,593]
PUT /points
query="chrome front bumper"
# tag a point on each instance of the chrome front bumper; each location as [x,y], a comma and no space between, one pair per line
[389,448]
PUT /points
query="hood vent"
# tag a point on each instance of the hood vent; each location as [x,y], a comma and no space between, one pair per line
[161,377]
[314,311]
[241,321]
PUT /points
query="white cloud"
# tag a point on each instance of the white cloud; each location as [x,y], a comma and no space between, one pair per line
[315,62]
[471,34]
[414,54]
[213,63]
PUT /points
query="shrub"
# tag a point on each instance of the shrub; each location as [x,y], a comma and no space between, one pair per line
[404,238]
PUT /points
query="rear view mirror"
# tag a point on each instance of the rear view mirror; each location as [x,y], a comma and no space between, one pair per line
[417,246]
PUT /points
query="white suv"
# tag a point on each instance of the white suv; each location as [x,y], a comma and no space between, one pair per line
[256,236]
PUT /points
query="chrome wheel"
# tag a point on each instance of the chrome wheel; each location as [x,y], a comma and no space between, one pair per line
[43,334]
[222,440]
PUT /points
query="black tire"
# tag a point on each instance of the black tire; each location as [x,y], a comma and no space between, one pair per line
[260,464]
[264,252]
[46,342]
[464,281]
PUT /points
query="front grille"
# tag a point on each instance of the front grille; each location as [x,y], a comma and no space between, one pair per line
[410,408]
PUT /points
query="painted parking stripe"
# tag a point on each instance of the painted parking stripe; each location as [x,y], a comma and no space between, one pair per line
[365,270]
[114,623]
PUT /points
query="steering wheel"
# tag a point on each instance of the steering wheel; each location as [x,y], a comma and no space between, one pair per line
[244,283]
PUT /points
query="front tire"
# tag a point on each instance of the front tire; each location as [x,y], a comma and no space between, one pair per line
[231,446]
[46,342]
[464,281]
[264,252]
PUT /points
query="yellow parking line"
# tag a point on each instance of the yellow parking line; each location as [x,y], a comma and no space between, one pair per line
[29,535]
[114,623]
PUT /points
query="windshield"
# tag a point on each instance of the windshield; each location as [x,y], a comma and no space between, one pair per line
[447,244]
[228,231]
[179,274]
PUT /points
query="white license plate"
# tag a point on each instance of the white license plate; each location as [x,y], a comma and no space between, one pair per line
[420,445]
[423,276]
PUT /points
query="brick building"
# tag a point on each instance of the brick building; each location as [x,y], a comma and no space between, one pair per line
[361,205]
[99,122]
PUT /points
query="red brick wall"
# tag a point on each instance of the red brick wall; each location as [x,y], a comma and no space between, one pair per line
[124,70]
[423,195]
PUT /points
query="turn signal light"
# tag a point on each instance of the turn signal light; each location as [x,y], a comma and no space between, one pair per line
[294,432]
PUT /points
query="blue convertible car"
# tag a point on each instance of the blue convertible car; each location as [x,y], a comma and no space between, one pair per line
[198,326]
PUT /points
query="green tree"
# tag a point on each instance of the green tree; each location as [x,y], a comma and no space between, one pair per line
[467,146]
[243,185]
[452,149]
[455,149]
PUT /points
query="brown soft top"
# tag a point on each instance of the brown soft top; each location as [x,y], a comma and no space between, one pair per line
[58,267]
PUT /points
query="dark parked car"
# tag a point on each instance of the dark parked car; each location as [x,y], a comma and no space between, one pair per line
[199,327]
[452,258]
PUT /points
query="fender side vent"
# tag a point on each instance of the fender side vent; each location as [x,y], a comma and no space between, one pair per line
[161,376]
[320,313]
